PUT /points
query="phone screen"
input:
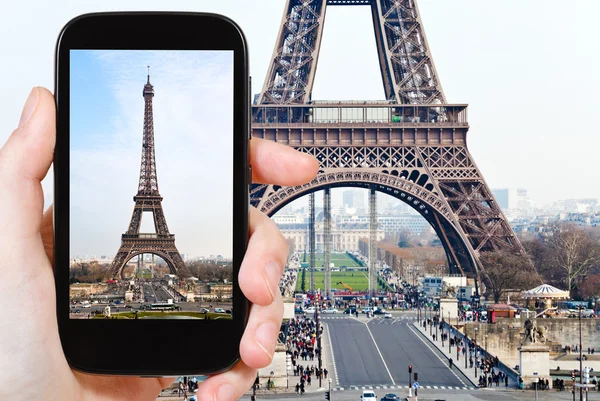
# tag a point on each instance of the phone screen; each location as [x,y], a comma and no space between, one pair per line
[151,193]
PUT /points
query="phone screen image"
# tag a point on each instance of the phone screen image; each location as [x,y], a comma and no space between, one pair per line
[151,184]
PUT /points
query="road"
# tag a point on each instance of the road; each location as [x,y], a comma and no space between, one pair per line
[377,352]
[428,395]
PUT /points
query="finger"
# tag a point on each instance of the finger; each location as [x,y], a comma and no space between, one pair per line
[104,388]
[227,386]
[47,233]
[265,258]
[24,161]
[260,337]
[274,163]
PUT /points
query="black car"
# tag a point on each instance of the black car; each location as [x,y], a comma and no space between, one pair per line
[390,397]
[350,311]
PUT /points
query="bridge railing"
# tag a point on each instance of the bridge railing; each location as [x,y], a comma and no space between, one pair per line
[513,374]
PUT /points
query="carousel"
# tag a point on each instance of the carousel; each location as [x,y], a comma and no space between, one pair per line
[544,295]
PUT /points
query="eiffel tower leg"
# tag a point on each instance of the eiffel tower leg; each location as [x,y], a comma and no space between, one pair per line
[118,264]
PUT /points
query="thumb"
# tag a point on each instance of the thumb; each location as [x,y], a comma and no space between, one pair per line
[24,161]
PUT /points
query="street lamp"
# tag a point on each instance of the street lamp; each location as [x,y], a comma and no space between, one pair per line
[442,326]
[466,347]
[319,341]
[430,320]
[449,343]
[475,353]
[580,357]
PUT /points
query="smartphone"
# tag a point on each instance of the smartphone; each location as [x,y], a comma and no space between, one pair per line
[151,192]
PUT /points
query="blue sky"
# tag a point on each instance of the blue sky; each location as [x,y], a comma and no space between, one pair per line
[193,135]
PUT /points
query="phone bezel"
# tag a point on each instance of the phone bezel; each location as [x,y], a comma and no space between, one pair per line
[150,347]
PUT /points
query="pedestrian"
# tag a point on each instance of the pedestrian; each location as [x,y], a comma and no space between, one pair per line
[505,380]
[451,363]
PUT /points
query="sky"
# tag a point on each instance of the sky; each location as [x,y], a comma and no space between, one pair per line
[193,132]
[527,69]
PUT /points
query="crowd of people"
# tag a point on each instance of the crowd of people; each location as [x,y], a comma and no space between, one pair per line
[302,346]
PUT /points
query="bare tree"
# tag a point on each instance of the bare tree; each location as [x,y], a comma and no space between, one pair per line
[504,271]
[590,287]
[574,253]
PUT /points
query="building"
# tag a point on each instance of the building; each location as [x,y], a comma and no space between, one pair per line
[392,224]
[515,201]
[433,286]
[355,198]
[281,219]
[345,237]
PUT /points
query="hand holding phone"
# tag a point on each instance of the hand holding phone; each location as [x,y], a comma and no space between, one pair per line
[29,343]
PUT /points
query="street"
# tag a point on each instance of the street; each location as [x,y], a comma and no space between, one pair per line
[377,352]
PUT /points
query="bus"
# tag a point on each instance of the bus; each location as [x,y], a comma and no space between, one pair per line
[162,306]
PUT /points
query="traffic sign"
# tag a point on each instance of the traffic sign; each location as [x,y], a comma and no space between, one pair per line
[416,384]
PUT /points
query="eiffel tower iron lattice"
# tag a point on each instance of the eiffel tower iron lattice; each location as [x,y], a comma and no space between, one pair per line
[148,199]
[412,146]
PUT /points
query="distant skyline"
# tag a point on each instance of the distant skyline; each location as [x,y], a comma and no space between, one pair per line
[527,69]
[193,133]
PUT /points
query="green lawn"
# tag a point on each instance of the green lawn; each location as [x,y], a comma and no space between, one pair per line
[357,280]
[339,259]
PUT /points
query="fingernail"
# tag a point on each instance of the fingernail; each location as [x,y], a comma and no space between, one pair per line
[273,275]
[29,107]
[265,337]
[224,392]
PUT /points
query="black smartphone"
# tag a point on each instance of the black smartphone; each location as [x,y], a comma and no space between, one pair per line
[146,274]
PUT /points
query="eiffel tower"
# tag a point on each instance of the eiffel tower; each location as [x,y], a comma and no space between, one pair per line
[412,146]
[148,199]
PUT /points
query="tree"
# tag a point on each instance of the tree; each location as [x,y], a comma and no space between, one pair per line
[590,287]
[574,253]
[541,257]
[503,271]
[404,239]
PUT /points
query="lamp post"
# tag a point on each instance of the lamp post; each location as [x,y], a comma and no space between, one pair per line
[580,358]
[318,330]
[466,347]
[449,343]
[442,326]
[437,322]
[430,320]
[475,352]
